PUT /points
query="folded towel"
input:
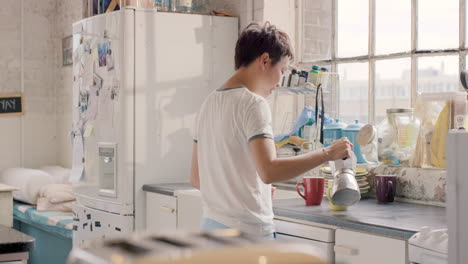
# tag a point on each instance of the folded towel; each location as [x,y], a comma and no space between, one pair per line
[43,205]
[57,193]
[28,182]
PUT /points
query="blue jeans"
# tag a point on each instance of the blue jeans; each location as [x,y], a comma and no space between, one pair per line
[210,224]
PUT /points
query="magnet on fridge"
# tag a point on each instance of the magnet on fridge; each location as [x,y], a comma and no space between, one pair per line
[114,89]
[102,52]
[113,95]
[87,47]
[88,130]
[83,102]
[109,60]
[97,81]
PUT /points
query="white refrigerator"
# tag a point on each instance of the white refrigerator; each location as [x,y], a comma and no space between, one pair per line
[139,78]
[457,196]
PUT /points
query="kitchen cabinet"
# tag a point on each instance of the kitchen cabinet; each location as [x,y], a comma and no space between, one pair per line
[161,212]
[189,210]
[322,239]
[183,210]
[355,247]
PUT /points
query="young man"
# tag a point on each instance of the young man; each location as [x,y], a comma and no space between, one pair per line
[234,157]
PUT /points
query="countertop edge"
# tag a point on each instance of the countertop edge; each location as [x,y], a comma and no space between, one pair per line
[166,189]
[345,224]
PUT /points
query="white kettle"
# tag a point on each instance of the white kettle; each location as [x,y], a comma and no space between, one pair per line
[345,190]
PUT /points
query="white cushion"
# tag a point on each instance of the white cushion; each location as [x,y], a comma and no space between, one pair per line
[28,182]
[59,174]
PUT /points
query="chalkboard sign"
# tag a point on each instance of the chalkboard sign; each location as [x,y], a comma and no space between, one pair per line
[11,104]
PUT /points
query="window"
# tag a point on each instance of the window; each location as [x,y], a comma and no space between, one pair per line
[392,85]
[352,27]
[385,52]
[353,103]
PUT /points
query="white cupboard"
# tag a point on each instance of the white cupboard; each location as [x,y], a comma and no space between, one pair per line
[189,210]
[161,212]
[355,247]
[321,239]
[181,211]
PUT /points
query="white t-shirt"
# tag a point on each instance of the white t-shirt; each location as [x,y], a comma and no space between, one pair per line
[231,189]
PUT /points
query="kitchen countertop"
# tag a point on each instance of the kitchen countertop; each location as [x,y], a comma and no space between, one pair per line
[12,241]
[396,220]
[167,188]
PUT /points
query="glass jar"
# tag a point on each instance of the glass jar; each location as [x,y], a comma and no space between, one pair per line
[140,3]
[200,7]
[397,137]
[305,148]
[184,6]
[162,5]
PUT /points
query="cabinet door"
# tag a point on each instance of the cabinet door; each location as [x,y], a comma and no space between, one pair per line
[324,250]
[189,210]
[161,212]
[355,247]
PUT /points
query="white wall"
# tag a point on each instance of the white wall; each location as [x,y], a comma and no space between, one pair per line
[282,14]
[241,8]
[28,140]
[31,63]
[10,80]
[68,11]
[39,128]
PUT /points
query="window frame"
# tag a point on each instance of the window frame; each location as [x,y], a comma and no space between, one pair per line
[371,58]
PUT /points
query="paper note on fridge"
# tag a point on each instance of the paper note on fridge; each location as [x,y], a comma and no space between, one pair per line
[93,103]
[78,155]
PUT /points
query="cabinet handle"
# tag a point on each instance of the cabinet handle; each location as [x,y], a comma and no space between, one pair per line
[167,209]
[346,250]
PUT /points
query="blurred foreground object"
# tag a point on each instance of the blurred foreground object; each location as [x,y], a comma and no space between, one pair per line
[218,246]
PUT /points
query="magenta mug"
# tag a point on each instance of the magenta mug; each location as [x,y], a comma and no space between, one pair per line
[385,188]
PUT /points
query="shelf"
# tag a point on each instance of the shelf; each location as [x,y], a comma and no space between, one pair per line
[299,90]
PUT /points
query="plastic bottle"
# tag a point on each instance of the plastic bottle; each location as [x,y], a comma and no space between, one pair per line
[285,79]
[313,75]
[293,78]
[306,132]
[302,78]
[323,77]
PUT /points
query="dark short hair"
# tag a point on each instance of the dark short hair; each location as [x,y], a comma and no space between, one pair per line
[256,39]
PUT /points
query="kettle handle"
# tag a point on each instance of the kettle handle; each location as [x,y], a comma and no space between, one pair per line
[298,191]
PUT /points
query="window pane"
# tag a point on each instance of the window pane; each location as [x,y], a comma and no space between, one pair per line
[393,26]
[353,92]
[438,24]
[392,86]
[438,74]
[316,30]
[353,28]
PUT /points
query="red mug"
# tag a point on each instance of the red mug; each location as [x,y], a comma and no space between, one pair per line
[313,190]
